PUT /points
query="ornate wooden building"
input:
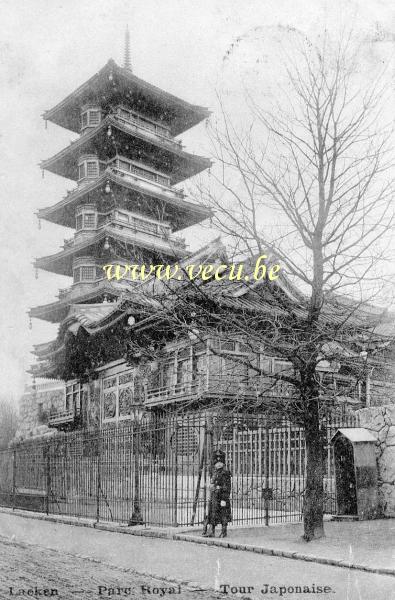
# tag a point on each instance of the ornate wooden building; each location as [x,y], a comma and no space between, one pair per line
[128,207]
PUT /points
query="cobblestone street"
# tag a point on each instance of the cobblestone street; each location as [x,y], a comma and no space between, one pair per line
[24,567]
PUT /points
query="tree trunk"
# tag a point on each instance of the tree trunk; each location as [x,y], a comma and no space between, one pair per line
[314,491]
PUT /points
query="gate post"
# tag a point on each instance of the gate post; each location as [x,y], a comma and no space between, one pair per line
[48,476]
[266,496]
[175,495]
[98,476]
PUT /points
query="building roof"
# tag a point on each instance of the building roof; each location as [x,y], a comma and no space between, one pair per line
[355,435]
[151,299]
[57,311]
[181,212]
[179,165]
[114,84]
[62,262]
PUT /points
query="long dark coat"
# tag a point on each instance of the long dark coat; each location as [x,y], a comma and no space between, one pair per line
[222,485]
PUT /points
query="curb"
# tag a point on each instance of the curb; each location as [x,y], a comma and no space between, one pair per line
[170,534]
[285,554]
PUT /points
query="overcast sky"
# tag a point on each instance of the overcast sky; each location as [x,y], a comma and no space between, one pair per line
[47,48]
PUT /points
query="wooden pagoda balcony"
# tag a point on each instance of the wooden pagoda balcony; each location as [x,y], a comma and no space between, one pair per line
[215,387]
[129,224]
[63,418]
[125,185]
[149,182]
[138,145]
[137,126]
[215,383]
[113,229]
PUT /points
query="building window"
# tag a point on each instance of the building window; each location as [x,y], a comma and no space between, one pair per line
[92,168]
[90,117]
[89,220]
[78,222]
[161,376]
[282,367]
[120,393]
[85,219]
[88,167]
[88,273]
[85,273]
[94,117]
[73,397]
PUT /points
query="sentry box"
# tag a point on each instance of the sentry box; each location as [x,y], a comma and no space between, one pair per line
[356,473]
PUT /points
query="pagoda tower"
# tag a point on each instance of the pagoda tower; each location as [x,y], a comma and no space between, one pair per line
[127,164]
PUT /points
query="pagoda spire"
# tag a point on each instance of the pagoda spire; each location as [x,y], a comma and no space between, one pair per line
[127,63]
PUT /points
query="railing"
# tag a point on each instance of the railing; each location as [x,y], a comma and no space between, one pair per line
[162,466]
[166,189]
[189,388]
[125,227]
[137,126]
[61,417]
[220,384]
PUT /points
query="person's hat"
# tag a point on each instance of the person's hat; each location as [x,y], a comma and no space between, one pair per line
[219,456]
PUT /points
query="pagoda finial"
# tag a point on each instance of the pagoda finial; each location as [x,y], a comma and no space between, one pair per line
[127,63]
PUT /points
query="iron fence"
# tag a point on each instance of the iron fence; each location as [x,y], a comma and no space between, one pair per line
[158,472]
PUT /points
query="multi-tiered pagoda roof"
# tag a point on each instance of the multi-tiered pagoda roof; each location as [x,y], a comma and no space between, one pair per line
[126,163]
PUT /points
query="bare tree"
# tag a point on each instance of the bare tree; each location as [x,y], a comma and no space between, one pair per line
[8,422]
[319,161]
[308,183]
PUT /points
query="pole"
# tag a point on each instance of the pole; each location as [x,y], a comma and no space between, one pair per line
[199,480]
[207,465]
[13,478]
[136,518]
[98,475]
[175,498]
[48,477]
[267,469]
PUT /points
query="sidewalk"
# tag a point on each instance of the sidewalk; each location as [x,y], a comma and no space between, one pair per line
[364,545]
[361,545]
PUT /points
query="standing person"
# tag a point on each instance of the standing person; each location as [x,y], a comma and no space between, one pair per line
[219,511]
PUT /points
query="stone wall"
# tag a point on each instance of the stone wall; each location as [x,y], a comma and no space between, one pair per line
[380,421]
[382,393]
